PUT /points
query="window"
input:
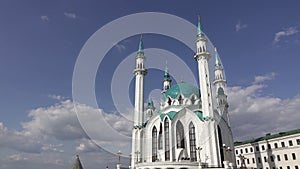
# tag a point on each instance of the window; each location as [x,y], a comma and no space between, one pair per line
[253,160]
[246,150]
[160,141]
[278,157]
[154,144]
[298,141]
[236,152]
[280,167]
[248,161]
[257,148]
[285,157]
[296,167]
[258,159]
[269,146]
[265,158]
[251,149]
[272,158]
[290,143]
[167,147]
[275,145]
[180,135]
[192,142]
[282,144]
[238,162]
[294,156]
[263,147]
[288,167]
[241,151]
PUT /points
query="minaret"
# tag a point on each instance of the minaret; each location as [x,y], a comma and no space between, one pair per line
[202,56]
[140,71]
[150,109]
[167,81]
[220,84]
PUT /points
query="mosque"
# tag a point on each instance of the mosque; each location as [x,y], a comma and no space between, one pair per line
[190,129]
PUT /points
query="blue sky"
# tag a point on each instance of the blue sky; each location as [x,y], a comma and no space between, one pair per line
[258,42]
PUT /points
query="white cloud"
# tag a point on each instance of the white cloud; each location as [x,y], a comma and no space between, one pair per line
[56,97]
[87,145]
[120,47]
[259,79]
[70,15]
[287,32]
[239,26]
[45,18]
[253,115]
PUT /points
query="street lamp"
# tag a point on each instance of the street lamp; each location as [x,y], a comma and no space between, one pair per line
[199,149]
[119,157]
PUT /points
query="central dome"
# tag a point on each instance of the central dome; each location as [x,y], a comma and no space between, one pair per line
[184,89]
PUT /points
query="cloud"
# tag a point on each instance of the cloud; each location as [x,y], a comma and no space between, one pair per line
[87,145]
[120,47]
[56,97]
[287,32]
[259,79]
[253,115]
[70,15]
[239,26]
[45,18]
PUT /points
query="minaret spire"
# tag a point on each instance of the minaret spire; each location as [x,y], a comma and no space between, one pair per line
[199,26]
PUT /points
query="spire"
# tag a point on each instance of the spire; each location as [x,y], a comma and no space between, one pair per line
[199,26]
[77,164]
[200,33]
[167,75]
[218,64]
[141,47]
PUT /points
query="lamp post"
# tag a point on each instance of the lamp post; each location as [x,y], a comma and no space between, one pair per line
[137,157]
[199,149]
[119,157]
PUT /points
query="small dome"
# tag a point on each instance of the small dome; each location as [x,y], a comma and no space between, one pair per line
[181,88]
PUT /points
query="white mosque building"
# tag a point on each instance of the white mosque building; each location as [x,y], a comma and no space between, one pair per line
[188,130]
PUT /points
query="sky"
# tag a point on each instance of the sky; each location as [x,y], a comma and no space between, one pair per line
[40,43]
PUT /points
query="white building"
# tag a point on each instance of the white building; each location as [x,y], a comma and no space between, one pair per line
[278,151]
[188,130]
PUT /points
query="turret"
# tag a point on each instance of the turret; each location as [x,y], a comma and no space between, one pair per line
[167,81]
[150,109]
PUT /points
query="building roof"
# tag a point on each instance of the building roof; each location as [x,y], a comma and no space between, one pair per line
[181,88]
[268,137]
[77,164]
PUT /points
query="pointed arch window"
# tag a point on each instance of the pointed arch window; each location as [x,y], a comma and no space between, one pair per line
[180,99]
[179,135]
[169,101]
[192,136]
[154,144]
[160,141]
[167,143]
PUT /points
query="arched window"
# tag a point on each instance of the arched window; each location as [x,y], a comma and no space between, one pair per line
[192,142]
[154,144]
[160,142]
[179,135]
[180,100]
[167,144]
[169,101]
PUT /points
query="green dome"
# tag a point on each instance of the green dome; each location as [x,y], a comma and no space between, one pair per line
[181,88]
